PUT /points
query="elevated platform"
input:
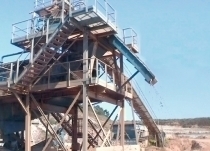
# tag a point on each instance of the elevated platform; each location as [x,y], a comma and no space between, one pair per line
[98,23]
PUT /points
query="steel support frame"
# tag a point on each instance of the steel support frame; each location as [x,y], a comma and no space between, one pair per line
[62,120]
[27,111]
[135,128]
[98,121]
[92,59]
[20,101]
[109,131]
[43,123]
[85,99]
[122,114]
[74,130]
[28,125]
[128,80]
[42,113]
[98,133]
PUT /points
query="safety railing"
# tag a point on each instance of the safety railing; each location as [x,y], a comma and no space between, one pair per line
[39,4]
[7,74]
[100,73]
[130,37]
[22,29]
[78,4]
[102,7]
[33,27]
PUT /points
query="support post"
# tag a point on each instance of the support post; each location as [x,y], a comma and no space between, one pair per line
[86,5]
[70,10]
[104,124]
[134,121]
[62,12]
[32,51]
[69,74]
[17,70]
[110,130]
[122,125]
[42,113]
[10,75]
[85,100]
[121,72]
[98,121]
[48,117]
[62,120]
[28,125]
[47,31]
[122,115]
[75,128]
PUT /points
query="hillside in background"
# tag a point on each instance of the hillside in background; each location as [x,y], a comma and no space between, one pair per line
[201,122]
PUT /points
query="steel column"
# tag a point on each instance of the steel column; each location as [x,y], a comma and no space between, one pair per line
[110,130]
[135,128]
[104,124]
[28,125]
[42,113]
[74,129]
[122,115]
[98,121]
[62,11]
[32,51]
[122,125]
[62,120]
[85,100]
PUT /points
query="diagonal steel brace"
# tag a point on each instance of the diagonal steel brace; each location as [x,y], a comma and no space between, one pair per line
[62,120]
[42,113]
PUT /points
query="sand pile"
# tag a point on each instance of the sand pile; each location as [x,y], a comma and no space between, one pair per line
[178,144]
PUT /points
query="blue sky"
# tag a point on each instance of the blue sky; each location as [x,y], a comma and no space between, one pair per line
[175,44]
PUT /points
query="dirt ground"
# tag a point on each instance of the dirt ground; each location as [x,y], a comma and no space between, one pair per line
[184,144]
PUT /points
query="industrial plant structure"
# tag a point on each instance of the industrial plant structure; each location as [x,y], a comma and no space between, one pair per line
[74,58]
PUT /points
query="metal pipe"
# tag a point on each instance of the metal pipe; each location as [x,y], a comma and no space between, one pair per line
[13,54]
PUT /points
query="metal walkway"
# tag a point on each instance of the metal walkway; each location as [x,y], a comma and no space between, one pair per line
[139,106]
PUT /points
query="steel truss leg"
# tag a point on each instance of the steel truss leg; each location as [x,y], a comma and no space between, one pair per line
[28,125]
[97,134]
[98,120]
[42,113]
[135,128]
[85,79]
[128,80]
[110,130]
[92,59]
[45,125]
[90,142]
[122,125]
[62,120]
[27,111]
[75,128]
[93,127]
[20,101]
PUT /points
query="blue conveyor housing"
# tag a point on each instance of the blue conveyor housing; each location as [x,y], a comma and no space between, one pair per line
[136,62]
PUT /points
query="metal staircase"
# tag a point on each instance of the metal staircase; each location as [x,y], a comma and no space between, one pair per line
[139,108]
[144,115]
[44,56]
